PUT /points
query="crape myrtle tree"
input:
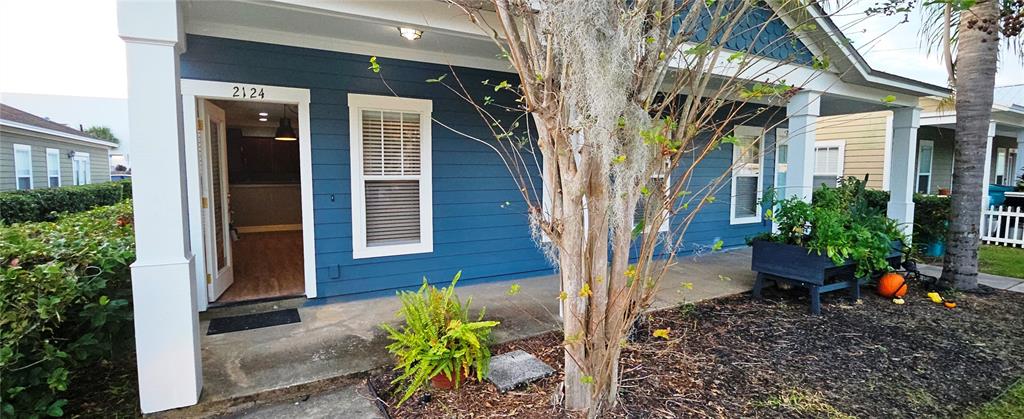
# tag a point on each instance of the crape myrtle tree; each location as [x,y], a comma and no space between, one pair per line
[613,97]
[968,33]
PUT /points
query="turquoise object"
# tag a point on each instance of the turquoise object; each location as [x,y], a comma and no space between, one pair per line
[935,249]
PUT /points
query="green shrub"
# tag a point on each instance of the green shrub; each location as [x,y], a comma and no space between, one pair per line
[438,338]
[64,304]
[46,204]
[931,219]
[841,223]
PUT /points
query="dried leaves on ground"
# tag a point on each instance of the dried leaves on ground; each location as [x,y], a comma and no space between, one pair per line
[735,357]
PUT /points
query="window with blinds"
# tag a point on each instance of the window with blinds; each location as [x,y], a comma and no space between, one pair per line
[747,160]
[828,163]
[391,175]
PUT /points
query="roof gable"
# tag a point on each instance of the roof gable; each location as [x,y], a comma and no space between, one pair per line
[760,32]
[17,118]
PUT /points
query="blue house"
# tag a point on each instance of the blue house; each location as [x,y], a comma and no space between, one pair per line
[278,165]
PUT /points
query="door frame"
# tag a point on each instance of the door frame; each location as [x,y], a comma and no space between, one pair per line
[192,90]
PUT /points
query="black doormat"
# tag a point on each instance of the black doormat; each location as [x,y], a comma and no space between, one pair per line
[253,321]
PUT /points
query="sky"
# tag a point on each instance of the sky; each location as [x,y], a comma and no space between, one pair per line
[71,47]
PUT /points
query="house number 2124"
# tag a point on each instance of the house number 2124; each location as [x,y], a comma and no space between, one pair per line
[247,92]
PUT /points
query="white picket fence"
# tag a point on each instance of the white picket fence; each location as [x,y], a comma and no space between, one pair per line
[1003,225]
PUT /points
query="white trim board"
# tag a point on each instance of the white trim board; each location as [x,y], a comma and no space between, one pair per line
[216,90]
[63,136]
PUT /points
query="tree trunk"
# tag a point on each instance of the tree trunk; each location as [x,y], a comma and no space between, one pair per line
[977,52]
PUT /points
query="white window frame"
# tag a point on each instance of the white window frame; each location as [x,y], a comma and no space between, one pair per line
[27,149]
[81,157]
[758,134]
[51,152]
[840,164]
[356,104]
[931,164]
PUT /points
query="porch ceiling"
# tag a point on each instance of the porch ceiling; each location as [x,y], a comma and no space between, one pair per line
[344,26]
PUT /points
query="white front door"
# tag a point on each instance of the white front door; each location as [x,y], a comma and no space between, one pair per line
[216,214]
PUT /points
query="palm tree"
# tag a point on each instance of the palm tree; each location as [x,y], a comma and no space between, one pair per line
[969,30]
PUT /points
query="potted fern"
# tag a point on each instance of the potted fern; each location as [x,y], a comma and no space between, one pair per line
[438,342]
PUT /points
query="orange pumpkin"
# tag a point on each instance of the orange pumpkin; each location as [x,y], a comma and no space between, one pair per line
[892,285]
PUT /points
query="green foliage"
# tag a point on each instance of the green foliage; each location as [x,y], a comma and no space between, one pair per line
[46,204]
[839,224]
[931,219]
[64,304]
[1001,260]
[438,338]
[103,133]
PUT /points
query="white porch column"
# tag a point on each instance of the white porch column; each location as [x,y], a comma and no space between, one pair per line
[1018,168]
[987,177]
[905,122]
[802,110]
[163,289]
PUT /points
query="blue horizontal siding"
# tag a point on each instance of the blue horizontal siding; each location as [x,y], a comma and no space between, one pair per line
[480,221]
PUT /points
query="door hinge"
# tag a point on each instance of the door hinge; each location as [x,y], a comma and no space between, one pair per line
[203,202]
[209,279]
[199,124]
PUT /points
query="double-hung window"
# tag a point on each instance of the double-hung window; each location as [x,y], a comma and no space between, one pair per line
[52,167]
[391,176]
[22,166]
[81,171]
[747,160]
[828,162]
[925,153]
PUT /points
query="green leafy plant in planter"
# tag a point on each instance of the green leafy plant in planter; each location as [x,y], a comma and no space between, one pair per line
[438,338]
[841,223]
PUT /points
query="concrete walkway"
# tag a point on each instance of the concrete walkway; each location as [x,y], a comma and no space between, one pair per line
[994,281]
[344,339]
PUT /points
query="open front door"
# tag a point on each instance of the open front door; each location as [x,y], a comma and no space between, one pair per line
[215,209]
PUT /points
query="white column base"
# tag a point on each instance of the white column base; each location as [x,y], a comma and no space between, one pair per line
[902,211]
[166,335]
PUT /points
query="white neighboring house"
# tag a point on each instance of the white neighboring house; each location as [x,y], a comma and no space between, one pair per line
[38,153]
[84,111]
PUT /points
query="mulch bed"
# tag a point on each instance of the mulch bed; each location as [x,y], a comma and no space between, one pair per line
[735,357]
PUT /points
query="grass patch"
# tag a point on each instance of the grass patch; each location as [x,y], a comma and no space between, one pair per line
[804,403]
[1000,260]
[1008,405]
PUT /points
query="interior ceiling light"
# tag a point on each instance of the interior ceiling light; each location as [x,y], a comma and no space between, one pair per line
[410,33]
[285,132]
[264,114]
[263,119]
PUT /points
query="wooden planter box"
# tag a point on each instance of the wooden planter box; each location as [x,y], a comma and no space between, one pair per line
[795,265]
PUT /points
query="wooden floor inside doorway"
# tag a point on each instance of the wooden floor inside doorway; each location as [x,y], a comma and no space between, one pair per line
[267,265]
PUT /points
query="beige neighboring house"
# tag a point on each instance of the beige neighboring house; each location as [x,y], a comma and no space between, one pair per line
[856,144]
[38,153]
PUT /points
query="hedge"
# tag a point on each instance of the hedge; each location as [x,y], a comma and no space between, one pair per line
[931,213]
[46,204]
[65,295]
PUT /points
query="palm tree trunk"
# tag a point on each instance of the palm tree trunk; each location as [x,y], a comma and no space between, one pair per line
[978,48]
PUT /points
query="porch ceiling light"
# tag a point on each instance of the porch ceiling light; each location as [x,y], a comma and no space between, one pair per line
[263,119]
[264,114]
[410,33]
[285,132]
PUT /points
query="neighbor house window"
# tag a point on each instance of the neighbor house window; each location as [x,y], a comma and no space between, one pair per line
[22,166]
[391,176]
[53,167]
[80,169]
[828,162]
[747,161]
[925,153]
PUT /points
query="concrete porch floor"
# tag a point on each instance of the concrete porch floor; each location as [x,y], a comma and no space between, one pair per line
[343,339]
